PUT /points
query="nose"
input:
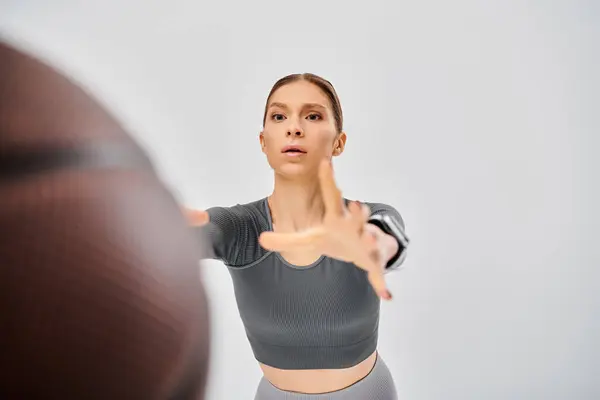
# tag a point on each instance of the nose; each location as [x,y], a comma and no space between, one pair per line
[294,129]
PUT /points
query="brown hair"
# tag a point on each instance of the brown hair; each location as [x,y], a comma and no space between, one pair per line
[323,84]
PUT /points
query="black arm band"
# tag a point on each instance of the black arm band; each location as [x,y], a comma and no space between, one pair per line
[389,225]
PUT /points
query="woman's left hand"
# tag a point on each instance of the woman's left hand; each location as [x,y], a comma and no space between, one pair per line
[343,235]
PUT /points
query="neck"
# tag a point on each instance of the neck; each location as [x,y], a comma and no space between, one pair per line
[296,205]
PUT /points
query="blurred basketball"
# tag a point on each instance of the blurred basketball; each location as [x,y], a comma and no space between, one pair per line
[100,293]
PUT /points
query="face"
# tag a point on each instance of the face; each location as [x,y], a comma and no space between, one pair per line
[300,130]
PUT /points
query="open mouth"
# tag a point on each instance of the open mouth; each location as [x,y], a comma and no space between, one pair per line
[293,150]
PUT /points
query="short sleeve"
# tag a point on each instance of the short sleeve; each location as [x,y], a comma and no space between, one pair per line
[232,234]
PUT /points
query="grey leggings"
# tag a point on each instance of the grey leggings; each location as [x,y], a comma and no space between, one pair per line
[377,385]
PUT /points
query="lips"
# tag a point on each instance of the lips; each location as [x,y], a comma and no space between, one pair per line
[294,150]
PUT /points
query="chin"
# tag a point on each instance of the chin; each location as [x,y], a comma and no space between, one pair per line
[295,170]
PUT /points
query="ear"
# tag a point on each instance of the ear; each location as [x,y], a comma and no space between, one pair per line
[261,138]
[339,144]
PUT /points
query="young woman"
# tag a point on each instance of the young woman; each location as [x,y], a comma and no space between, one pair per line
[308,265]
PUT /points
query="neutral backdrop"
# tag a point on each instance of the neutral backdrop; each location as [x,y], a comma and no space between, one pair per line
[478,120]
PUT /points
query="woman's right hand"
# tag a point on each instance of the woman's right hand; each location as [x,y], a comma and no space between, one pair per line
[196,217]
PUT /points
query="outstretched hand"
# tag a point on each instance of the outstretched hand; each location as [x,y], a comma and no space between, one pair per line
[342,234]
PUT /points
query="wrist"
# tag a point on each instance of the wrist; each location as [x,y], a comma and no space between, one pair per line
[390,247]
[387,245]
[391,229]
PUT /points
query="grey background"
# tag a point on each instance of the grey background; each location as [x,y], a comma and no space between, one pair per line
[478,120]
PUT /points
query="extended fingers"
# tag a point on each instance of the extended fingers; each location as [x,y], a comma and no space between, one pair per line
[356,215]
[374,267]
[375,274]
[366,212]
[275,241]
[377,280]
[196,217]
[332,196]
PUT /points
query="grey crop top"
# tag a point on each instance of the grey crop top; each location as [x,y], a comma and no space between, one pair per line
[321,316]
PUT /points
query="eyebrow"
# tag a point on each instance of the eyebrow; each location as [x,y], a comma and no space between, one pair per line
[307,105]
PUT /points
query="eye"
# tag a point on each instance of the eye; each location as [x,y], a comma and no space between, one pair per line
[277,117]
[314,117]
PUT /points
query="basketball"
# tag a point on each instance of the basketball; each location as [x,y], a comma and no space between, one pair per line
[100,292]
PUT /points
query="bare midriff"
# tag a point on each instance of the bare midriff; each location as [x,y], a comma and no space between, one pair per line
[315,381]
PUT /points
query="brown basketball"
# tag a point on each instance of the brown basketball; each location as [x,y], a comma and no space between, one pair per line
[100,293]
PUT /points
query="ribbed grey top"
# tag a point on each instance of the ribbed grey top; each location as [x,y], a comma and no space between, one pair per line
[321,316]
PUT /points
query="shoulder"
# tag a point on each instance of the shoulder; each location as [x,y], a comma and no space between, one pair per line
[241,216]
[234,231]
